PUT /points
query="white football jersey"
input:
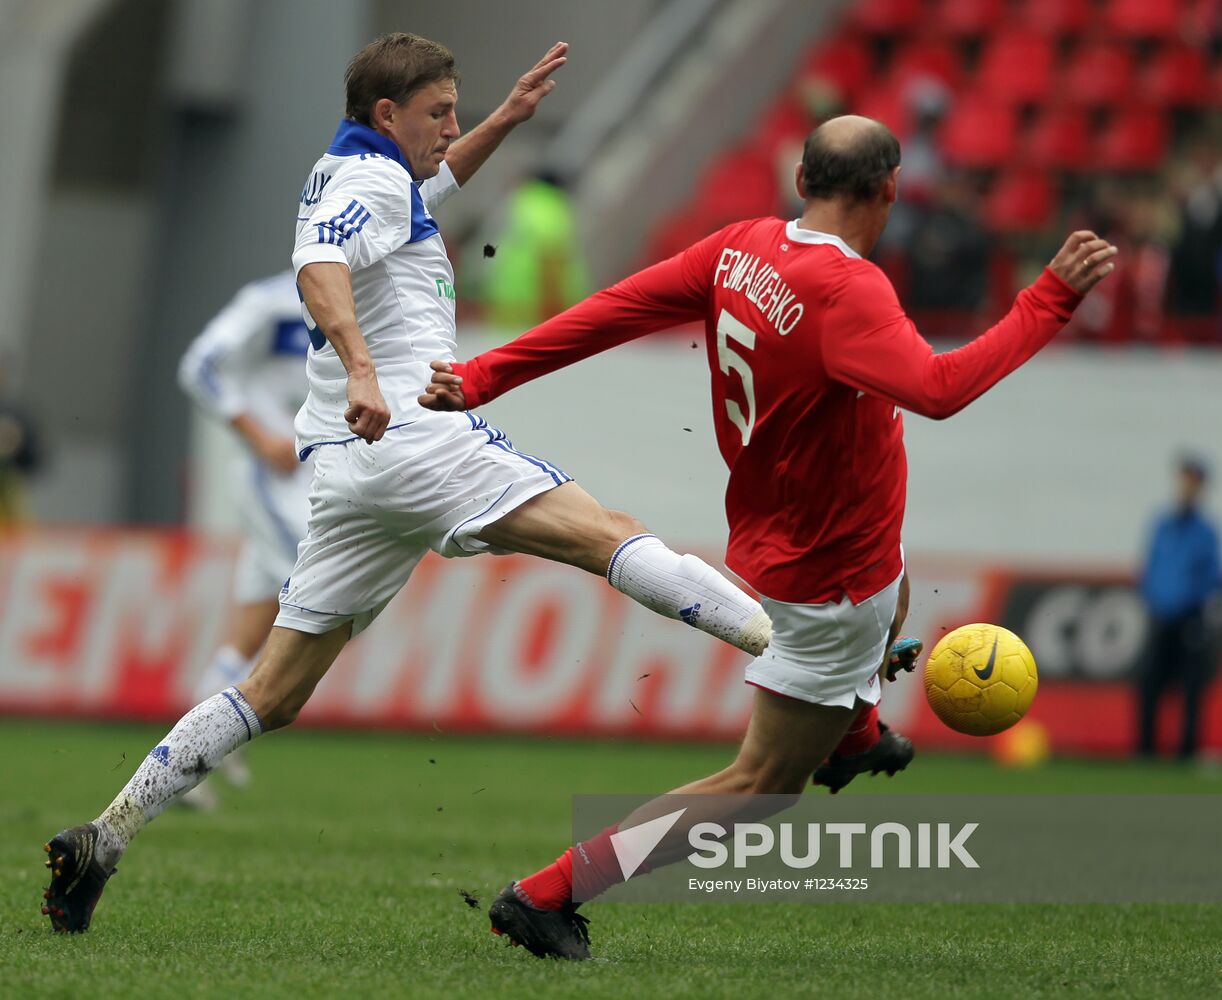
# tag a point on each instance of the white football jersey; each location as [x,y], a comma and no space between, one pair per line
[361,207]
[251,358]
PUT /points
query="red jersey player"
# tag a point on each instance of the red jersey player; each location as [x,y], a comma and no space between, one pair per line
[812,359]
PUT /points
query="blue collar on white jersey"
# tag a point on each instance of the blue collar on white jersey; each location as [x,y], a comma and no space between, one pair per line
[353,138]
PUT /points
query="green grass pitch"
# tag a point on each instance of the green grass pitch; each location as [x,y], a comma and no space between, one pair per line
[340,870]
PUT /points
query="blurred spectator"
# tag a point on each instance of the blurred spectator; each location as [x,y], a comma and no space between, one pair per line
[1149,262]
[1055,122]
[1193,286]
[1131,305]
[1180,582]
[924,101]
[538,269]
[927,101]
[948,249]
[18,457]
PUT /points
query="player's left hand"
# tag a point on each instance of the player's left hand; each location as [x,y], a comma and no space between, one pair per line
[534,85]
[1084,261]
[444,392]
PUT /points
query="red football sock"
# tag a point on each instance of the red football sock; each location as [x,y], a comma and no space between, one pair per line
[863,733]
[551,887]
[597,869]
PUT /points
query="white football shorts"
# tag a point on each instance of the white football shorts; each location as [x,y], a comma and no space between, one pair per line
[273,510]
[828,654]
[375,510]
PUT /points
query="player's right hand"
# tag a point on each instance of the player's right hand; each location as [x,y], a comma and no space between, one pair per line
[367,414]
[1084,261]
[444,392]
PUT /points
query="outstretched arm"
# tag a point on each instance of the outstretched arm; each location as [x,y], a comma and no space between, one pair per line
[660,297]
[873,346]
[467,155]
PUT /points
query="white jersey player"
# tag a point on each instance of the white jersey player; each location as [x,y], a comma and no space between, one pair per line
[247,370]
[392,480]
[371,217]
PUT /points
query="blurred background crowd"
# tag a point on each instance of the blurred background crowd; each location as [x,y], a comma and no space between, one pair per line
[1020,120]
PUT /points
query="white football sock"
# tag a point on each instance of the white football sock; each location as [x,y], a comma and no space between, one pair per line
[688,589]
[226,668]
[180,761]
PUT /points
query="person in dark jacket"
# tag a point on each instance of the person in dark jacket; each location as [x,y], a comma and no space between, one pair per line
[1179,582]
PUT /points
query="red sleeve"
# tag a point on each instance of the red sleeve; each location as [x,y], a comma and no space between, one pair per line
[872,345]
[660,297]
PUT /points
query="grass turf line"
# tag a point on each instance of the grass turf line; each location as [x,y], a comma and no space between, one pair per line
[340,870]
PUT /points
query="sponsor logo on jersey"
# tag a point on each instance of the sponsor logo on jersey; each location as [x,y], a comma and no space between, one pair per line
[445,290]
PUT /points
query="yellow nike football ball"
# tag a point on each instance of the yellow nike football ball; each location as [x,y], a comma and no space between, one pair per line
[980,679]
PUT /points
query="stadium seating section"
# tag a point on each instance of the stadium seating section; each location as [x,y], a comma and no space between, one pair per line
[1023,118]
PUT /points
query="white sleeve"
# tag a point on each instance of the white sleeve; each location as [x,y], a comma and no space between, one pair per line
[437,189]
[365,214]
[213,371]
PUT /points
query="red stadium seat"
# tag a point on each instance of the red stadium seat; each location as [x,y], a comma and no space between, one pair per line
[1022,200]
[1060,139]
[1100,74]
[980,132]
[1143,18]
[937,58]
[845,61]
[1133,140]
[886,17]
[886,104]
[1017,66]
[967,17]
[1177,75]
[1055,17]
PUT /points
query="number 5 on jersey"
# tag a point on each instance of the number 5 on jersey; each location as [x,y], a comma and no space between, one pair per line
[733,333]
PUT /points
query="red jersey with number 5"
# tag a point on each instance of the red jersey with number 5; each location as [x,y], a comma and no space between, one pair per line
[812,358]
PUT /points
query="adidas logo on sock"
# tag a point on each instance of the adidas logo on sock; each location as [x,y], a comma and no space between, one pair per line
[161,754]
[690,615]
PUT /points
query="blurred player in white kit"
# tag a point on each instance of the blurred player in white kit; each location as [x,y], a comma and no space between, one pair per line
[247,370]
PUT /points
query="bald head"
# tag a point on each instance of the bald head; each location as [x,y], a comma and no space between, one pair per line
[844,132]
[849,157]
